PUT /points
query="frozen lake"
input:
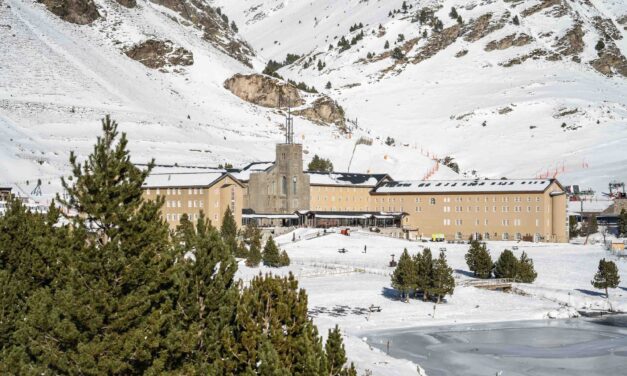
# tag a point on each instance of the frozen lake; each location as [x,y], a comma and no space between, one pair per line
[547,348]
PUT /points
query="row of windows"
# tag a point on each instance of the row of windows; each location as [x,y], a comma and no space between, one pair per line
[486,209]
[504,236]
[504,222]
[177,217]
[176,191]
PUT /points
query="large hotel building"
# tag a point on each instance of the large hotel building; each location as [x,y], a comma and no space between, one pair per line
[280,193]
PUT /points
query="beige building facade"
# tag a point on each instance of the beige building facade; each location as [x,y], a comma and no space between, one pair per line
[280,193]
[192,193]
[530,209]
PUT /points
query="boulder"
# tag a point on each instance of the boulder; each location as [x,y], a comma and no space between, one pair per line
[80,12]
[158,54]
[264,90]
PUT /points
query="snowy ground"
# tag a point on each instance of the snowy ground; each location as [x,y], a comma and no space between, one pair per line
[342,286]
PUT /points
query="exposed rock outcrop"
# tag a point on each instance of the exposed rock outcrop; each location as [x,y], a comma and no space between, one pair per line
[80,12]
[509,41]
[610,62]
[264,90]
[483,26]
[215,27]
[324,110]
[534,55]
[607,28]
[158,54]
[572,42]
[544,4]
[127,3]
[623,21]
[437,42]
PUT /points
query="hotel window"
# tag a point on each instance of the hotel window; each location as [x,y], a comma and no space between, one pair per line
[477,222]
[167,216]
[179,191]
[528,198]
[178,203]
[158,191]
[167,204]
[294,185]
[537,199]
[537,208]
[432,201]
[458,222]
[283,185]
[528,209]
[148,192]
[537,222]
[417,199]
[505,236]
[485,222]
[486,209]
[486,236]
[199,191]
[458,235]
[200,203]
[494,209]
[189,191]
[167,191]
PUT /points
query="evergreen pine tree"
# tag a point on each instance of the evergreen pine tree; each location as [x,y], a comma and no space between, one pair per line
[386,45]
[443,281]
[479,260]
[273,310]
[269,362]
[425,273]
[284,259]
[115,290]
[405,277]
[270,255]
[254,253]
[525,271]
[32,250]
[206,297]
[397,54]
[506,266]
[622,223]
[606,276]
[328,85]
[516,20]
[228,231]
[336,354]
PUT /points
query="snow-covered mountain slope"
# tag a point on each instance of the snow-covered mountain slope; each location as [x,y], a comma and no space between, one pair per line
[509,88]
[58,79]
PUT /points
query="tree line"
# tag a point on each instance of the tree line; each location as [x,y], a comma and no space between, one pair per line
[112,291]
[421,275]
[481,265]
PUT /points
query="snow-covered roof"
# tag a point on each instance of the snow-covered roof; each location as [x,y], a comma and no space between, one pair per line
[345,179]
[244,173]
[459,186]
[196,179]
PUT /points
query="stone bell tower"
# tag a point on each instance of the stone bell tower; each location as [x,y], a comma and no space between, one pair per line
[284,188]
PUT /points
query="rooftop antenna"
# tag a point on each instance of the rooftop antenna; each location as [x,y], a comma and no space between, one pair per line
[289,124]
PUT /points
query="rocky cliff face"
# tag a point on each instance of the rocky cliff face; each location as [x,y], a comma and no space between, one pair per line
[80,12]
[264,90]
[270,92]
[324,111]
[158,54]
[214,25]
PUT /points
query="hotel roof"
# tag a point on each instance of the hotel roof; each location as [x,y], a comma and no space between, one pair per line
[464,186]
[191,179]
[345,179]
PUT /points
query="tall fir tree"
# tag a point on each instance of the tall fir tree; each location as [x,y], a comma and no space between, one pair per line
[525,272]
[254,253]
[270,255]
[443,281]
[32,252]
[228,230]
[606,276]
[405,276]
[336,354]
[425,273]
[115,289]
[206,296]
[506,266]
[273,311]
[478,260]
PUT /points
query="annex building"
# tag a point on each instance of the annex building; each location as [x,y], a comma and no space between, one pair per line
[281,193]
